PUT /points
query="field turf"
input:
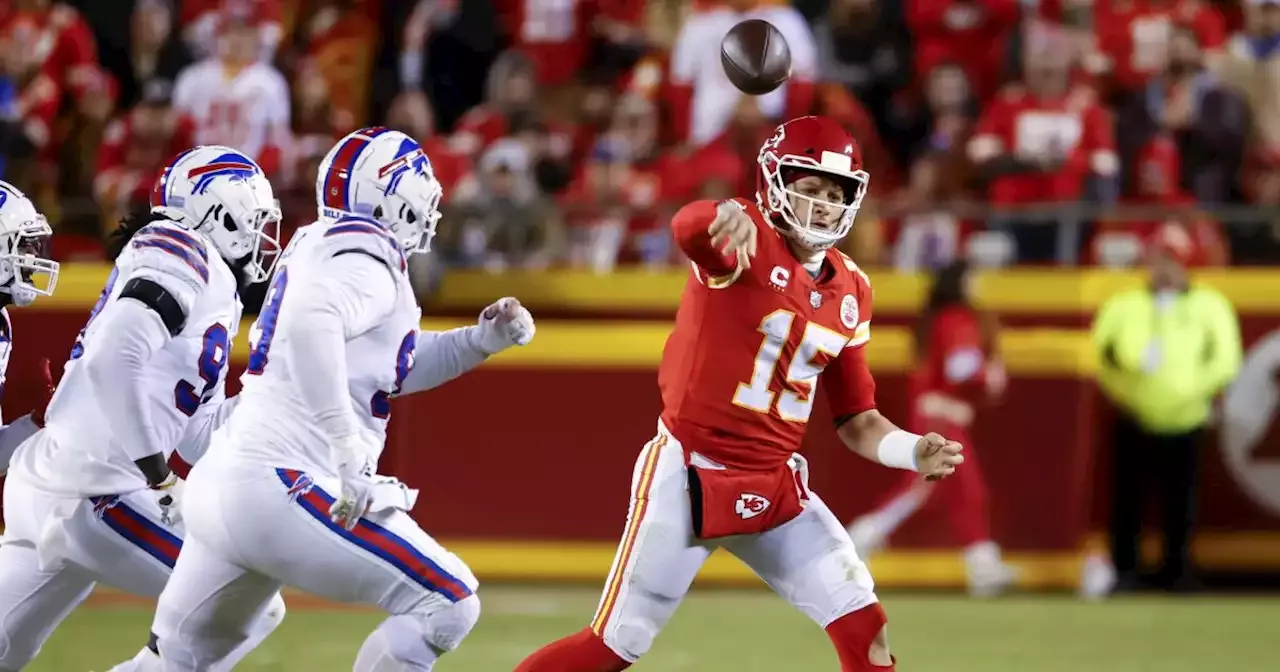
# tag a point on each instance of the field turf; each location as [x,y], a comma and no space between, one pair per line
[749,630]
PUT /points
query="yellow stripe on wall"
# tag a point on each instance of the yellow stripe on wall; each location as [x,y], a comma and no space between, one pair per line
[638,344]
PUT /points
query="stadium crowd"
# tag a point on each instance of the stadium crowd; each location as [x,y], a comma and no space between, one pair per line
[566,132]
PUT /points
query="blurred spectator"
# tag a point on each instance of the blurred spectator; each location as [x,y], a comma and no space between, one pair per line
[511,96]
[1133,40]
[931,233]
[201,21]
[335,39]
[236,99]
[864,46]
[1161,204]
[444,51]
[974,33]
[703,102]
[1164,352]
[136,147]
[1206,121]
[1040,141]
[498,219]
[148,64]
[564,38]
[598,210]
[1252,68]
[17,135]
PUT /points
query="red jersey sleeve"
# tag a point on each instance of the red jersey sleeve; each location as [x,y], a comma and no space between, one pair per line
[847,380]
[689,228]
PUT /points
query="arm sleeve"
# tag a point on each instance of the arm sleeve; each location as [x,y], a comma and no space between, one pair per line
[689,227]
[442,356]
[195,440]
[1226,351]
[355,294]
[12,436]
[848,384]
[129,334]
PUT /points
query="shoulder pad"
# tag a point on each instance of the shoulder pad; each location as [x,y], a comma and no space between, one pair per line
[364,236]
[852,266]
[172,257]
[171,248]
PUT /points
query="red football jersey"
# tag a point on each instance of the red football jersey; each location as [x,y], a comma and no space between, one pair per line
[1018,123]
[740,371]
[955,358]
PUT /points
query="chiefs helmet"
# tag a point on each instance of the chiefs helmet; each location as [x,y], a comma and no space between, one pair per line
[810,146]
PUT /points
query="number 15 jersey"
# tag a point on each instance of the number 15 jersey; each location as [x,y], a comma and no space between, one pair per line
[740,370]
[353,270]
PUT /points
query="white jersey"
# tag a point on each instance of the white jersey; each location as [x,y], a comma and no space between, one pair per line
[348,278]
[78,453]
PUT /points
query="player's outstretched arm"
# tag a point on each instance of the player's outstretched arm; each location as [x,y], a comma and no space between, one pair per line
[720,238]
[441,356]
[851,394]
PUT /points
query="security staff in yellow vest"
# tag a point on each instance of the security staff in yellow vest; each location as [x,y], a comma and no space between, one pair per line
[1164,352]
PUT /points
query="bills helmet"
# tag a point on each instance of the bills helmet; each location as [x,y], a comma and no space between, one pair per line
[223,194]
[382,175]
[24,249]
[810,146]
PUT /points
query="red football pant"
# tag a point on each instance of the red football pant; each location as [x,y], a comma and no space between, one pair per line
[853,634]
[579,652]
[961,499]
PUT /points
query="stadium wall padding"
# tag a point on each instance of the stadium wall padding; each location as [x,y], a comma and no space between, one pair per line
[524,464]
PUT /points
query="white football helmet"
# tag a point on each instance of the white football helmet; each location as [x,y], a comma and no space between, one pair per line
[382,175]
[223,194]
[24,248]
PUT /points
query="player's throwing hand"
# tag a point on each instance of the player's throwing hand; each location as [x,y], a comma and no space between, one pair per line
[733,232]
[936,457]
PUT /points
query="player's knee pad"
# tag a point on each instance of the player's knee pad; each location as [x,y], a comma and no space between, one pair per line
[445,627]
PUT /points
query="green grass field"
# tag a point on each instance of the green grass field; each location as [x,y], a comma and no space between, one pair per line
[754,631]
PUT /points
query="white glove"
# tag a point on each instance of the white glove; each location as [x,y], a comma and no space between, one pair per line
[502,325]
[169,497]
[358,485]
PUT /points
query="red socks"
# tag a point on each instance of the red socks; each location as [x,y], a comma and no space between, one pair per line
[579,652]
[583,651]
[853,634]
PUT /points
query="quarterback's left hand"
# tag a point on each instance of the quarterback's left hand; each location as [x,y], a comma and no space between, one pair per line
[503,324]
[936,457]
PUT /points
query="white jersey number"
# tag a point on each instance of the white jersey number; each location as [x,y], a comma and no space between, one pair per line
[796,401]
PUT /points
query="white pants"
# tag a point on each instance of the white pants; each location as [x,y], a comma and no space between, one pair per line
[809,561]
[254,528]
[57,548]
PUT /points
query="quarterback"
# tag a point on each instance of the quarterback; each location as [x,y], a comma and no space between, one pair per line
[89,498]
[769,311]
[289,494]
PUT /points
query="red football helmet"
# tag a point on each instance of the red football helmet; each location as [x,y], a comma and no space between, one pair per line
[808,146]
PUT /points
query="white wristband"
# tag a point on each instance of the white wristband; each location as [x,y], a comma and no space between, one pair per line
[898,450]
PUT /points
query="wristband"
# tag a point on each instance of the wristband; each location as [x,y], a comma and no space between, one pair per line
[898,450]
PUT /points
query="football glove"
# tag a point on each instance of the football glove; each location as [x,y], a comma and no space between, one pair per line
[503,324]
[358,485]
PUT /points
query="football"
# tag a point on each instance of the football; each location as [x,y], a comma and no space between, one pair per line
[755,57]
